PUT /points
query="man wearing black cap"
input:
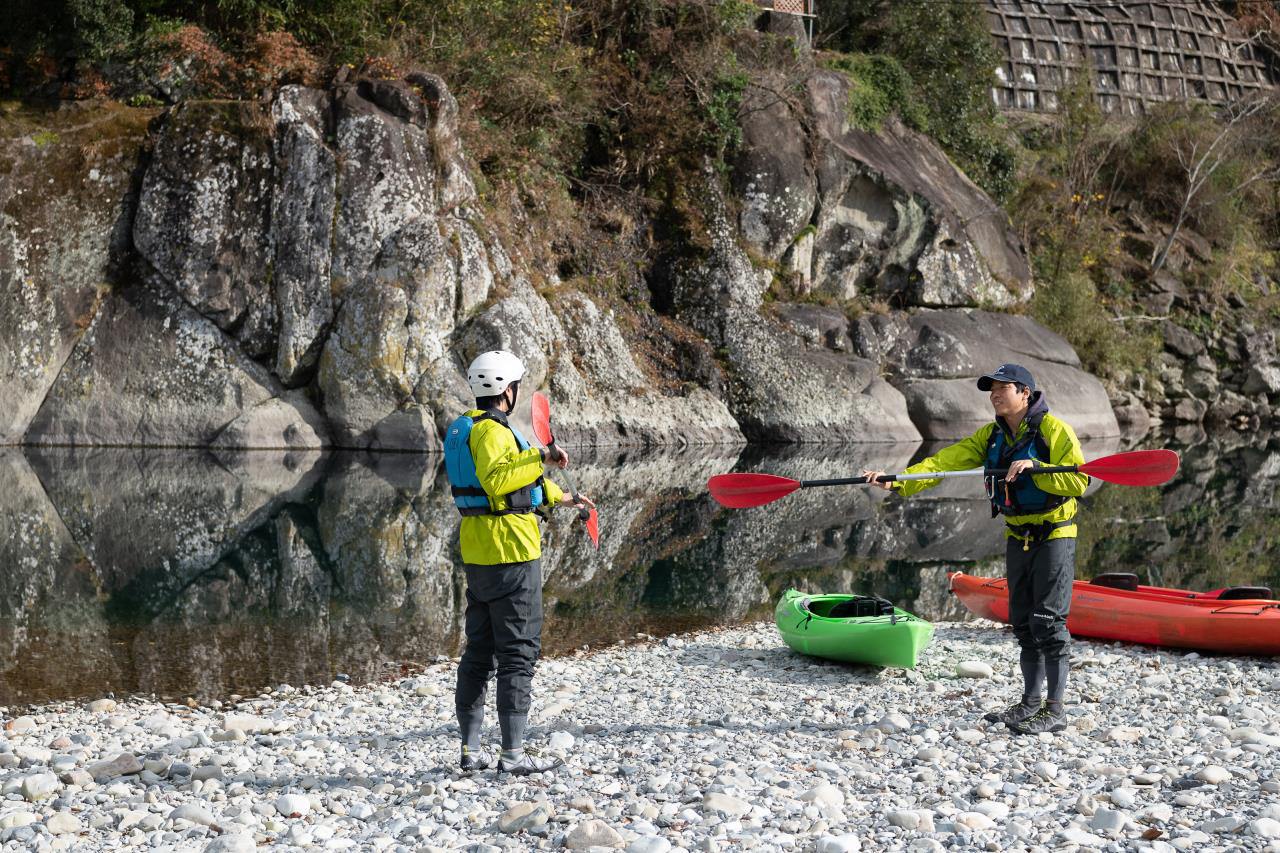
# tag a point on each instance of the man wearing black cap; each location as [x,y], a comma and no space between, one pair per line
[1040,545]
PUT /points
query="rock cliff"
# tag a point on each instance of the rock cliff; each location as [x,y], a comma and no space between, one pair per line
[315,270]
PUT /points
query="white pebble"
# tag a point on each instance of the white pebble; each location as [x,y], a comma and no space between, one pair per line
[974,669]
[1213,774]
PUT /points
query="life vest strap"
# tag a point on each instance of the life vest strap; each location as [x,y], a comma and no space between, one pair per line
[480,510]
[1038,532]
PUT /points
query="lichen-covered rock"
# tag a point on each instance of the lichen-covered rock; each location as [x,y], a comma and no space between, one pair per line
[362,368]
[66,201]
[781,386]
[150,371]
[602,393]
[326,244]
[404,258]
[786,389]
[302,214]
[847,210]
[895,214]
[286,422]
[937,359]
[773,175]
[204,214]
[409,428]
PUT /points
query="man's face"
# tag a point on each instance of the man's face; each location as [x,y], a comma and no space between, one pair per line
[1006,399]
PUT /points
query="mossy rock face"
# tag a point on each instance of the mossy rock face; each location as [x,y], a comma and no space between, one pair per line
[66,200]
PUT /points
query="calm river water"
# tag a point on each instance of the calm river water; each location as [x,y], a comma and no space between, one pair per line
[188,574]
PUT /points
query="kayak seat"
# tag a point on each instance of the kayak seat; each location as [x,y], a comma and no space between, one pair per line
[1240,593]
[861,606]
[1117,580]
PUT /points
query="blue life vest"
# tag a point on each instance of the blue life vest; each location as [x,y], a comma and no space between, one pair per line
[468,495]
[1022,496]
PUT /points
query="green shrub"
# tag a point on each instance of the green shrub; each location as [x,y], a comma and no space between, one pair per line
[878,87]
[1072,306]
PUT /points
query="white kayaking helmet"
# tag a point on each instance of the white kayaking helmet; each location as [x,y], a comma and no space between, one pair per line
[493,372]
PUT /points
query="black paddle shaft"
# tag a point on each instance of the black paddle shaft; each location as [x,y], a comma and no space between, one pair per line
[937,475]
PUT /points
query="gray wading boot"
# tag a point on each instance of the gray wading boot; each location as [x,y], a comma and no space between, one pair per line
[473,761]
[1014,714]
[525,764]
[1047,719]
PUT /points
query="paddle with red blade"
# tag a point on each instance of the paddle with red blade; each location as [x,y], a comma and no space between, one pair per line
[542,430]
[1135,468]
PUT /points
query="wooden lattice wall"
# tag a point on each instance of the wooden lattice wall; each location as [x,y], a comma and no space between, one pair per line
[801,11]
[1137,53]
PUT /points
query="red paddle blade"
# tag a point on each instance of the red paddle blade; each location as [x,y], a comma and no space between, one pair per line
[593,528]
[541,417]
[1136,468]
[739,491]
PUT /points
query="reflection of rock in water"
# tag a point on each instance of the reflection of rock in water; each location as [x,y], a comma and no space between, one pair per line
[935,601]
[1214,525]
[211,634]
[389,534]
[175,511]
[230,574]
[53,637]
[652,511]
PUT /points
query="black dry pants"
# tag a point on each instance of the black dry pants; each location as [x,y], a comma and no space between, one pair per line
[503,626]
[1040,583]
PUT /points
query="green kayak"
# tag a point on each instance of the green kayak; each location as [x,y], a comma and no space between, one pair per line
[823,626]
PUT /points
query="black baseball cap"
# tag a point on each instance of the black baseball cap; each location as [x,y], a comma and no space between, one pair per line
[1007,373]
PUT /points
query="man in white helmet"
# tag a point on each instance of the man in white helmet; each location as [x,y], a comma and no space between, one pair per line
[498,485]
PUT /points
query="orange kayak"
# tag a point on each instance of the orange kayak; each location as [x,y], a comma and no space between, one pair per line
[1241,620]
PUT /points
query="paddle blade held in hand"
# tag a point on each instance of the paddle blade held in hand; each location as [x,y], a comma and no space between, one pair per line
[541,416]
[1135,468]
[739,491]
[593,528]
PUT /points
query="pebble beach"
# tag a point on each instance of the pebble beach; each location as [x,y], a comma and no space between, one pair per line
[717,741]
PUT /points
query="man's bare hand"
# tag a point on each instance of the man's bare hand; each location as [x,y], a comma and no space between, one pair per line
[581,501]
[557,456]
[873,478]
[1017,467]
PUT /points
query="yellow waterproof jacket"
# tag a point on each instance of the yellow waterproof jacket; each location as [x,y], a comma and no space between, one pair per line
[971,452]
[502,468]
